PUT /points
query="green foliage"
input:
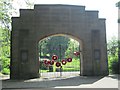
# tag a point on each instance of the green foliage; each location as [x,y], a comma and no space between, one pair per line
[115,68]
[6,13]
[118,4]
[5,50]
[54,45]
[58,45]
[29,3]
[5,22]
[63,47]
[73,46]
[119,20]
[72,66]
[6,10]
[6,71]
[113,55]
[43,50]
[42,66]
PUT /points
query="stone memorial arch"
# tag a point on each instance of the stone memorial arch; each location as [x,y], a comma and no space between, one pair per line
[45,20]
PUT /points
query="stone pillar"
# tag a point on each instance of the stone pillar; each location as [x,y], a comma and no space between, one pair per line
[14,63]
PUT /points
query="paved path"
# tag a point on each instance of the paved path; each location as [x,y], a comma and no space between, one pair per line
[110,81]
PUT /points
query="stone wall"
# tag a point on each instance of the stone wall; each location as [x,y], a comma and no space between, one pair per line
[46,20]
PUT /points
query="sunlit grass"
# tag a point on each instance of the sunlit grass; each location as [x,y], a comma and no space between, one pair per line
[70,66]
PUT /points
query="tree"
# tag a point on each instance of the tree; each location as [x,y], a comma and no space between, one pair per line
[5,29]
[58,45]
[42,46]
[112,47]
[29,3]
[54,45]
[6,10]
[118,4]
[73,46]
[6,13]
[119,55]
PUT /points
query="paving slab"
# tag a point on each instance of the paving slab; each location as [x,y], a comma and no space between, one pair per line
[110,81]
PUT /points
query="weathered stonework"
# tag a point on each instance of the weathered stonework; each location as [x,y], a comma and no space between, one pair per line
[46,20]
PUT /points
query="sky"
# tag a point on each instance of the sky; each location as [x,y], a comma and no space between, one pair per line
[106,8]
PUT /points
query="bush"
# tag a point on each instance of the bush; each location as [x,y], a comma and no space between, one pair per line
[115,67]
[5,65]
[112,48]
[5,71]
[42,66]
[50,68]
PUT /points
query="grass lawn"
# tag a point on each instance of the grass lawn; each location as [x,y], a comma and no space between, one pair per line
[70,66]
[43,71]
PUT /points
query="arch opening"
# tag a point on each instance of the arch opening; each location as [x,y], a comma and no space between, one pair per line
[68,51]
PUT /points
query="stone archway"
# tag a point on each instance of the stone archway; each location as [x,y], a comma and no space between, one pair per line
[45,20]
[59,48]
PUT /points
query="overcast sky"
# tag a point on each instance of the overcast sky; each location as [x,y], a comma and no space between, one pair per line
[106,8]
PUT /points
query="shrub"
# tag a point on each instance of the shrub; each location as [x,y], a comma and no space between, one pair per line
[114,67]
[5,71]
